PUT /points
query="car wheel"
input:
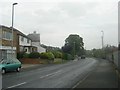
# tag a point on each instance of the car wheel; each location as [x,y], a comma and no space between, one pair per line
[18,69]
[3,71]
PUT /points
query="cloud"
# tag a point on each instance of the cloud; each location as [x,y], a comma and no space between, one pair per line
[56,19]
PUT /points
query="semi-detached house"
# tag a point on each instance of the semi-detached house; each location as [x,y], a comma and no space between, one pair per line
[6,42]
[24,44]
[21,43]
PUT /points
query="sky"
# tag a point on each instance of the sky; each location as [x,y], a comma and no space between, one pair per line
[55,20]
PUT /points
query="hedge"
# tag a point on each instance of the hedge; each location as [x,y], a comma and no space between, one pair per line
[34,55]
[47,55]
[67,56]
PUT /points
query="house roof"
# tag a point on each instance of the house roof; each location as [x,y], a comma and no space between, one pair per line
[16,30]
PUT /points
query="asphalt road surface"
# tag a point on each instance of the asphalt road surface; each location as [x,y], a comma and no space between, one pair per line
[104,76]
[55,76]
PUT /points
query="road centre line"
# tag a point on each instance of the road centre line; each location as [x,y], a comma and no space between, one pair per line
[17,85]
[51,74]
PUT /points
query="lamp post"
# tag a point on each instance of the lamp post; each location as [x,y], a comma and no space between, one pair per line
[102,39]
[12,25]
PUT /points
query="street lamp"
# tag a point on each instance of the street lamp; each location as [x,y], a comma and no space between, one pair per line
[12,25]
[102,39]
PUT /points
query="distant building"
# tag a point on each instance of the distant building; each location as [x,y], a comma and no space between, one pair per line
[35,37]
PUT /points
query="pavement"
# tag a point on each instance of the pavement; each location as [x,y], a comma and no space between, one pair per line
[103,76]
[29,65]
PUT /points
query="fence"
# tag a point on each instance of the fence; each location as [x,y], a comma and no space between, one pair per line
[115,58]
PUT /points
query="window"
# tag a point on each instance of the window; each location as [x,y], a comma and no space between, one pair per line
[28,41]
[22,38]
[7,35]
[21,48]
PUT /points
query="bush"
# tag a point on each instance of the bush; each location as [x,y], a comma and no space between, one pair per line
[34,55]
[70,57]
[67,56]
[47,55]
[25,55]
[44,55]
[50,56]
[64,56]
[20,55]
[57,54]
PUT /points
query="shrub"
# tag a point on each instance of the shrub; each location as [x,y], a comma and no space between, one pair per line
[50,55]
[66,56]
[20,55]
[34,55]
[47,55]
[25,55]
[44,55]
[57,54]
[70,57]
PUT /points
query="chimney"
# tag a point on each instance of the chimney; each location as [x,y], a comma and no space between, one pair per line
[34,32]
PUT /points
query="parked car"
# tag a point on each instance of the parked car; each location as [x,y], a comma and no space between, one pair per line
[83,57]
[10,65]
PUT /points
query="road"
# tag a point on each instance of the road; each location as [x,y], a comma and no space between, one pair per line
[104,76]
[55,76]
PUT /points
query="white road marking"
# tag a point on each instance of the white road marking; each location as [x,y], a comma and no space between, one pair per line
[17,85]
[50,74]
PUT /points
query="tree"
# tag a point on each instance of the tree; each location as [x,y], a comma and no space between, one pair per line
[74,45]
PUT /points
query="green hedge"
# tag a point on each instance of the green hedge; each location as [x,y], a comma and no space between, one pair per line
[67,56]
[50,55]
[44,55]
[57,54]
[34,55]
[22,55]
[47,55]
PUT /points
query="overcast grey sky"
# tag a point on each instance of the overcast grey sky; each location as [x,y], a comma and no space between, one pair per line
[56,19]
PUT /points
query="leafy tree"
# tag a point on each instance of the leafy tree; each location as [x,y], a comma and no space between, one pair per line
[74,45]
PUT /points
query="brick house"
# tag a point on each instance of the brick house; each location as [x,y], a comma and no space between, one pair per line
[21,43]
[6,42]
